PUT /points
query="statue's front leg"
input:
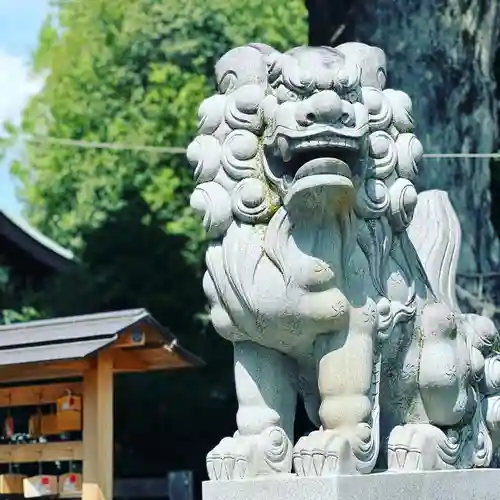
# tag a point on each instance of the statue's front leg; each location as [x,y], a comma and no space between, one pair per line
[346,442]
[444,432]
[266,390]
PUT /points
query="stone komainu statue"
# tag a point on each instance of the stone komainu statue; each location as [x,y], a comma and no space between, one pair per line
[332,277]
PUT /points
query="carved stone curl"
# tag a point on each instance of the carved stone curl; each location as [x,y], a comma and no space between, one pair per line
[329,274]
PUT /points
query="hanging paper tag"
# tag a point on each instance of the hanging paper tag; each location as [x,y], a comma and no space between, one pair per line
[8,427]
[39,486]
[35,425]
[70,485]
[69,402]
[11,484]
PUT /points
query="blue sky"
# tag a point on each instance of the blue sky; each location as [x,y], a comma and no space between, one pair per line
[20,22]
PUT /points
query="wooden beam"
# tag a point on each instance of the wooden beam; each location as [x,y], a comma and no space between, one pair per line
[44,371]
[90,478]
[129,361]
[161,358]
[41,452]
[32,395]
[135,337]
[145,359]
[105,395]
[140,335]
[98,429]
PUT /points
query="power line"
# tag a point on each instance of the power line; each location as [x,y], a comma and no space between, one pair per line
[104,145]
[462,155]
[182,150]
[494,274]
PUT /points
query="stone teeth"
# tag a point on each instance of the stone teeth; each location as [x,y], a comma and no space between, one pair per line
[284,149]
[286,181]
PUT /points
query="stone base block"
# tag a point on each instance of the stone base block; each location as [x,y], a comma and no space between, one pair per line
[478,484]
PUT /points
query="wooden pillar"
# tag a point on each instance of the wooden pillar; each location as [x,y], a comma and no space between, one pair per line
[98,430]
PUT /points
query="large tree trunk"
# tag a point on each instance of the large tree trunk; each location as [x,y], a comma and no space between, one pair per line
[440,52]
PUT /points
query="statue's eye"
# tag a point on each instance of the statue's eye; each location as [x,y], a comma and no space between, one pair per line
[284,94]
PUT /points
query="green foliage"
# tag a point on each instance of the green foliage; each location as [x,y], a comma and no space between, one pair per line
[13,294]
[131,72]
[134,72]
[26,313]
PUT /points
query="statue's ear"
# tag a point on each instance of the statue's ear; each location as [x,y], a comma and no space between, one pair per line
[371,60]
[272,58]
[241,66]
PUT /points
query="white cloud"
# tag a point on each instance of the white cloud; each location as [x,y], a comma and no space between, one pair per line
[17,85]
[20,24]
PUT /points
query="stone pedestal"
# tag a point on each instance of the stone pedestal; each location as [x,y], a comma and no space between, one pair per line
[438,485]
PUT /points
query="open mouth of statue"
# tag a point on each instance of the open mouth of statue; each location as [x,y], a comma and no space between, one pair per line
[323,161]
[328,156]
[315,167]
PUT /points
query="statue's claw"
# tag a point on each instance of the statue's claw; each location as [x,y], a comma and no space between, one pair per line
[324,453]
[244,456]
[229,459]
[414,447]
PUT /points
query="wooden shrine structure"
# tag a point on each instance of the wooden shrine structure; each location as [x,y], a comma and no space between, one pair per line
[70,363]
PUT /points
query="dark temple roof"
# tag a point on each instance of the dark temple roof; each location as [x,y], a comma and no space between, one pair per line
[41,248]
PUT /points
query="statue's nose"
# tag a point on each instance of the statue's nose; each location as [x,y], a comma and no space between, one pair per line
[323,107]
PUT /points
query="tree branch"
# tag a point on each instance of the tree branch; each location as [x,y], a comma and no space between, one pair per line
[481,306]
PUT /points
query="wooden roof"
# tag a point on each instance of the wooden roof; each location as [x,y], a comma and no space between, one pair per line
[65,347]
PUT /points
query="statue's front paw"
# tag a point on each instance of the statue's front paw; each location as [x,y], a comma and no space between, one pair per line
[323,453]
[229,459]
[245,456]
[414,447]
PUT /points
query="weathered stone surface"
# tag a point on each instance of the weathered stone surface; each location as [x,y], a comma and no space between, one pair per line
[442,53]
[332,277]
[442,485]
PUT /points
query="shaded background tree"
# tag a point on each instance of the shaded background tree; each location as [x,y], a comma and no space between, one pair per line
[443,54]
[134,72]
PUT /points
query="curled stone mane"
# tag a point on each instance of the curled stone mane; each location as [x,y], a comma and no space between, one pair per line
[234,182]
